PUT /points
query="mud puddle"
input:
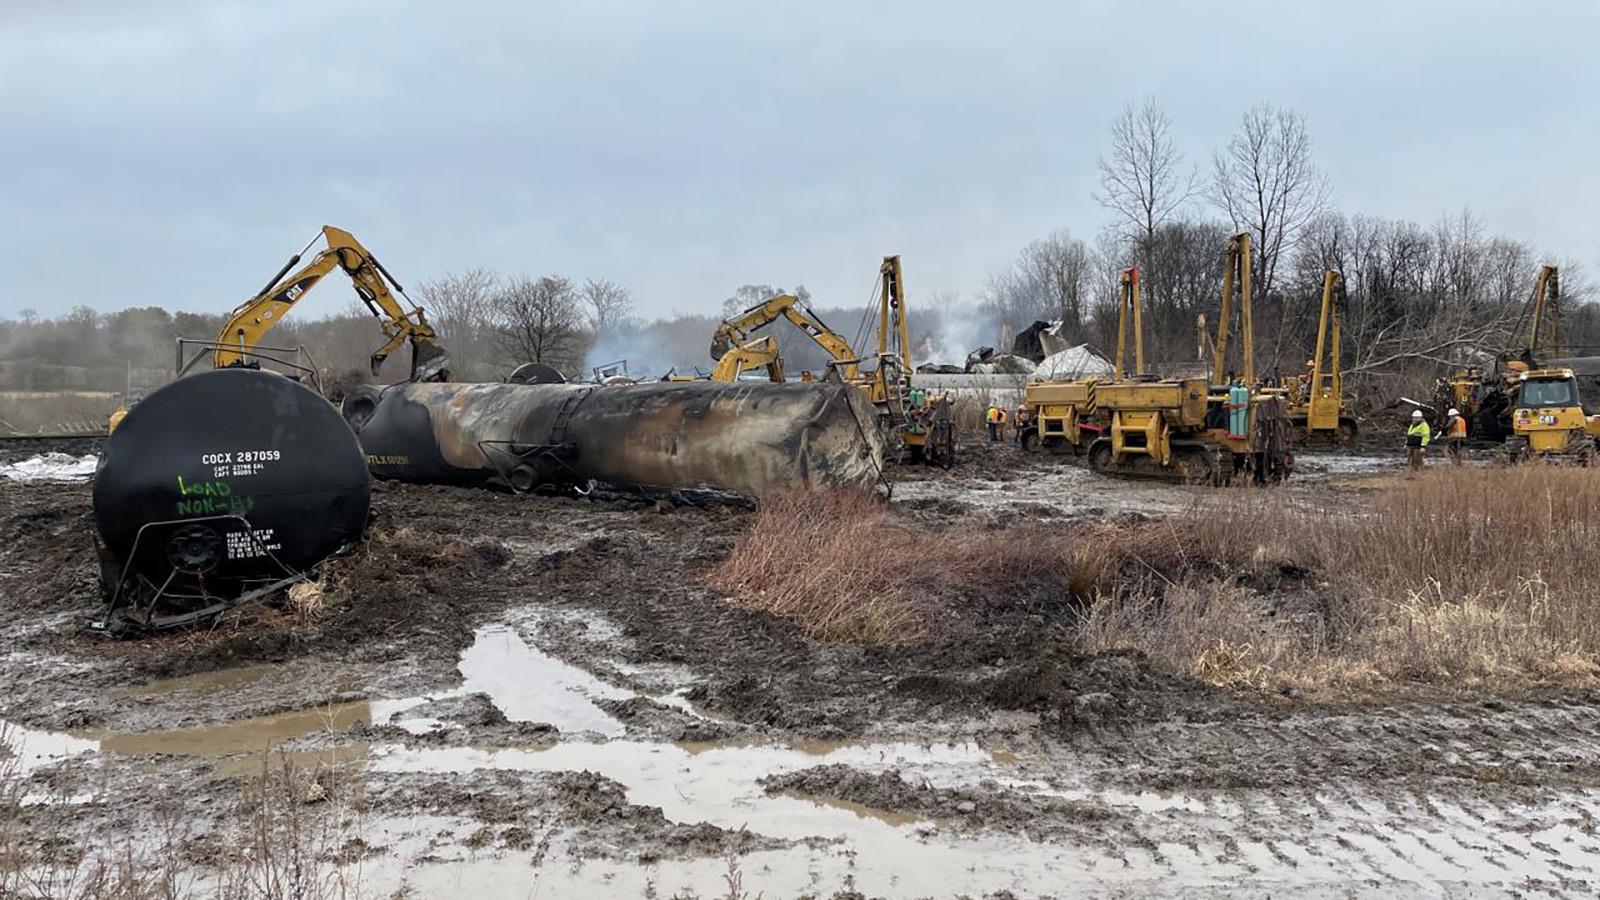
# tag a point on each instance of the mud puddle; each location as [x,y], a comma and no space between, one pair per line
[524,684]
[1045,489]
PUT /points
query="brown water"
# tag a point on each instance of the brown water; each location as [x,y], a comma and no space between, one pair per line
[1335,839]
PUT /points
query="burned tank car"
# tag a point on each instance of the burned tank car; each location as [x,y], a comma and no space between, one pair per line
[223,482]
[745,438]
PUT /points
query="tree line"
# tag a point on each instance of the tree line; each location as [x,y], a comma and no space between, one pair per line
[1418,297]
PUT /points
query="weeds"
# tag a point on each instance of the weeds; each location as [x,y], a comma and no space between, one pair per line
[1454,576]
[283,841]
[1458,575]
[844,569]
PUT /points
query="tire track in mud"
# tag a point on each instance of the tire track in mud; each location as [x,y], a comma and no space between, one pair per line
[1315,803]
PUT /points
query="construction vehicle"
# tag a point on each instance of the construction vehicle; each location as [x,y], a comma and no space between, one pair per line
[924,424]
[757,354]
[1129,424]
[1186,429]
[1548,420]
[239,343]
[733,336]
[252,319]
[1316,399]
[1528,401]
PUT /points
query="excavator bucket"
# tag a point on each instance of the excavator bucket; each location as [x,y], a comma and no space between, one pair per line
[429,362]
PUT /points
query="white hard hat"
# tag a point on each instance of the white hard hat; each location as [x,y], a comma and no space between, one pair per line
[1454,411]
[1416,414]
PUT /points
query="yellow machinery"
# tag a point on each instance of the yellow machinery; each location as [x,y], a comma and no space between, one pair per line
[1183,428]
[1065,414]
[256,316]
[1236,274]
[1130,423]
[1316,399]
[1548,420]
[924,424]
[733,335]
[1532,406]
[240,339]
[1547,417]
[757,354]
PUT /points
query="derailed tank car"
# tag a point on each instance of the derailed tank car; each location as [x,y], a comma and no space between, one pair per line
[744,438]
[221,484]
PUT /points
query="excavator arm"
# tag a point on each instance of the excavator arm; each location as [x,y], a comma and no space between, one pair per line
[756,354]
[256,316]
[734,331]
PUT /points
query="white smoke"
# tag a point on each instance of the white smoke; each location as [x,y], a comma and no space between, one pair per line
[956,329]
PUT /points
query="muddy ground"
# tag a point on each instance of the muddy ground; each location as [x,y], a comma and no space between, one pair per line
[519,696]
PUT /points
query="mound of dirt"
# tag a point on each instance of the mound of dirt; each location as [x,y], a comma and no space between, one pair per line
[611,826]
[646,718]
[983,806]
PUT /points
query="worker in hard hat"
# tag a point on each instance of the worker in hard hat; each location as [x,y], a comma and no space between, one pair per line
[991,418]
[1417,438]
[1455,435]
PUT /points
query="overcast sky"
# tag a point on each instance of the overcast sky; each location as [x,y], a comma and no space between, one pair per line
[176,153]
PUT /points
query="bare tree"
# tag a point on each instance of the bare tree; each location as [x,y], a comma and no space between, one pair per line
[541,321]
[1143,181]
[1264,180]
[1048,280]
[461,309]
[1058,267]
[605,303]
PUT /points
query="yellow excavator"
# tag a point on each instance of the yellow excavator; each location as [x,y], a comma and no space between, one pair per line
[255,317]
[236,345]
[735,353]
[924,424]
[761,353]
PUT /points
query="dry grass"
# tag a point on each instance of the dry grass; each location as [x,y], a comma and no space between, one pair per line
[844,568]
[291,835]
[1457,576]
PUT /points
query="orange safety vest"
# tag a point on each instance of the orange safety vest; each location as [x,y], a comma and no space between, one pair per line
[1000,415]
[1458,427]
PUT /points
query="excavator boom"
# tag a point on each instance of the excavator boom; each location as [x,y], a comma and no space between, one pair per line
[733,332]
[256,316]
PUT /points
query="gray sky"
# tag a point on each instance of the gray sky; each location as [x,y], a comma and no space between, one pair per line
[176,153]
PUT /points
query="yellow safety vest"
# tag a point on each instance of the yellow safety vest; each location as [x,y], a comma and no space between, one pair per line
[1422,429]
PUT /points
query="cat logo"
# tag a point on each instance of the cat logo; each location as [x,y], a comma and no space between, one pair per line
[293,294]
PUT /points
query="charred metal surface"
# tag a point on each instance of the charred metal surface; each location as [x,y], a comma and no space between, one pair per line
[746,438]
